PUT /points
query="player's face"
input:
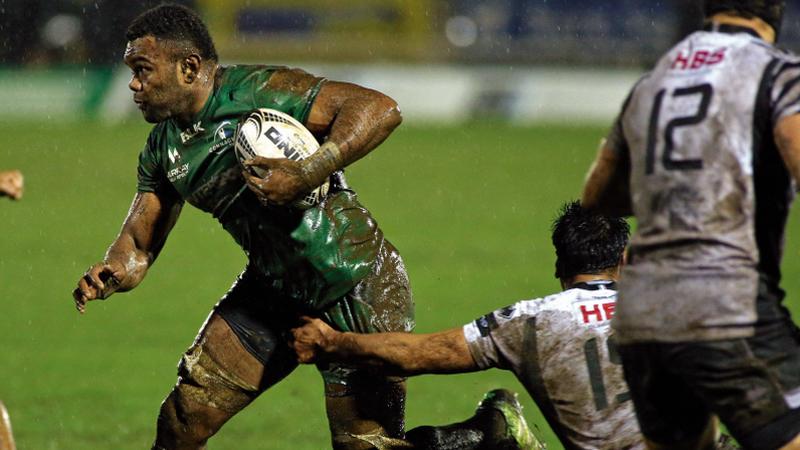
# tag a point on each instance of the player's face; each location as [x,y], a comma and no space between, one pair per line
[156,89]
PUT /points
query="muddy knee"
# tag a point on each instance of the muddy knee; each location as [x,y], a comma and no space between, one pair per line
[204,398]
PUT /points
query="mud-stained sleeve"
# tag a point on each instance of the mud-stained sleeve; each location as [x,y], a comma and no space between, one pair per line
[785,92]
[497,339]
[292,91]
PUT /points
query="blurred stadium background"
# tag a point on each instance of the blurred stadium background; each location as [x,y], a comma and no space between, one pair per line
[504,102]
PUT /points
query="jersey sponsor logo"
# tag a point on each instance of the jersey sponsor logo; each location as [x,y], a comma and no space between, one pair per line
[282,142]
[698,59]
[178,173]
[173,154]
[189,133]
[596,312]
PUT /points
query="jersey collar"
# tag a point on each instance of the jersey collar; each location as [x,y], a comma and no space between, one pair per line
[595,285]
[729,29]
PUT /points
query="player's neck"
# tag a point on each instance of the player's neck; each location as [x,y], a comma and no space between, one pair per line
[766,32]
[199,97]
[568,283]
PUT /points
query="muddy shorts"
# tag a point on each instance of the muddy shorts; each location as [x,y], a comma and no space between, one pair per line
[752,384]
[261,319]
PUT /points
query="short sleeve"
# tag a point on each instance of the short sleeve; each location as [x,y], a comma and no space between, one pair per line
[151,176]
[292,91]
[497,339]
[785,92]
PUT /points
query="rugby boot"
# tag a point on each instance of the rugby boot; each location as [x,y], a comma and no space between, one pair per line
[726,442]
[507,428]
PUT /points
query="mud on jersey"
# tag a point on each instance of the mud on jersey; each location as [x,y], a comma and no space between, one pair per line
[561,349]
[313,256]
[708,187]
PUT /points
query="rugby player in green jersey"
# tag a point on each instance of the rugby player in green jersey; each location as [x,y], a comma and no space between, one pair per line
[330,261]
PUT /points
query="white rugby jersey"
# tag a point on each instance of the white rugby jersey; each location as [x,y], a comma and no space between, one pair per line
[561,349]
[709,189]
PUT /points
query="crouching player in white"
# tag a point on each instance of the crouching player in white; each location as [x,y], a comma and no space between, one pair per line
[560,347]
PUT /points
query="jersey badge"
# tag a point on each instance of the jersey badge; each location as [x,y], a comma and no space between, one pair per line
[223,137]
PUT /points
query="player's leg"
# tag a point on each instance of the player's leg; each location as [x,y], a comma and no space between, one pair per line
[497,423]
[367,406]
[357,401]
[6,437]
[752,384]
[234,358]
[671,416]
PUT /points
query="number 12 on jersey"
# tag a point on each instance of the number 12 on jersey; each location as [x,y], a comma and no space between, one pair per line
[705,91]
[594,365]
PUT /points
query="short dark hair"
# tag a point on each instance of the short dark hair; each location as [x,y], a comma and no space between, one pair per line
[770,11]
[587,242]
[176,23]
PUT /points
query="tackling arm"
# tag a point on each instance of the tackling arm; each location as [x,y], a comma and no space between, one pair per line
[144,232]
[402,354]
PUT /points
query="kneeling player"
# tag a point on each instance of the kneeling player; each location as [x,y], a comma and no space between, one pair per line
[560,346]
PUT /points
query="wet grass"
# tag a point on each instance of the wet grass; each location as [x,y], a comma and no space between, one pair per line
[469,207]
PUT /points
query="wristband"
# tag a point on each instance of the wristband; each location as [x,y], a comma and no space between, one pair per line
[319,166]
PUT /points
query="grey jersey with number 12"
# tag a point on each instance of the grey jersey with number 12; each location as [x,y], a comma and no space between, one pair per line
[560,348]
[708,187]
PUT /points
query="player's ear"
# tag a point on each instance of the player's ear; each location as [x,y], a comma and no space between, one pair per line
[190,68]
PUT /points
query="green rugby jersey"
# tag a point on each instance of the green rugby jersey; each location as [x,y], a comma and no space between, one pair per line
[313,256]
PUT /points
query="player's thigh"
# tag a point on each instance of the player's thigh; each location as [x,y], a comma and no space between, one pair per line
[752,384]
[670,414]
[237,354]
[380,302]
[368,405]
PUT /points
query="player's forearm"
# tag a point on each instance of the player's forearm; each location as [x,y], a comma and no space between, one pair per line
[363,119]
[143,235]
[135,261]
[363,122]
[404,354]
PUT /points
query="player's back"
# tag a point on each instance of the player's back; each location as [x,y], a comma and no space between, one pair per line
[708,187]
[561,349]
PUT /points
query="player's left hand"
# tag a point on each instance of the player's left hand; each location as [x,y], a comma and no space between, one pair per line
[312,341]
[282,183]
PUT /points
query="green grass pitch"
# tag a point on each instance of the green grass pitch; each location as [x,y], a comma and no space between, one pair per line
[469,207]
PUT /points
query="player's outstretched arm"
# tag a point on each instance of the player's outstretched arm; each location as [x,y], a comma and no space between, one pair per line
[787,138]
[402,354]
[353,118]
[144,232]
[606,189]
[11,184]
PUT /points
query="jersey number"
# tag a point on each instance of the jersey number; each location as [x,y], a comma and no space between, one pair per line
[705,91]
[592,352]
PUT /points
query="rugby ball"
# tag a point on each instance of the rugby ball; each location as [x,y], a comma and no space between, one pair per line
[273,134]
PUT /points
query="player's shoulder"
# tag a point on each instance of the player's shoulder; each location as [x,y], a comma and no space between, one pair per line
[157,138]
[238,74]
